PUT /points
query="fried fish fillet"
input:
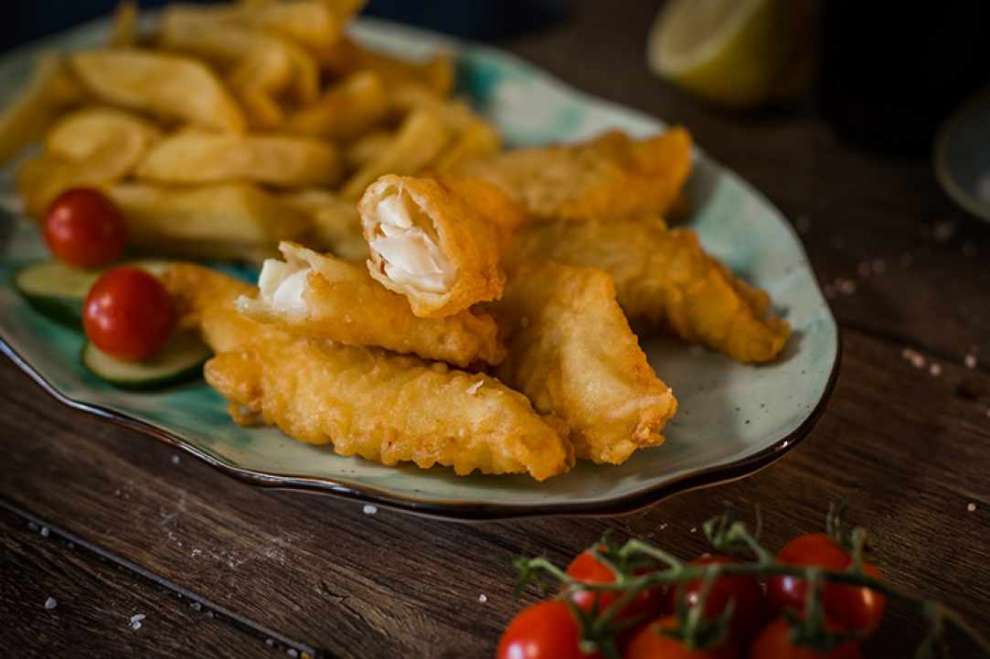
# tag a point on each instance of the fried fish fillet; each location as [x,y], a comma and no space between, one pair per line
[362,401]
[321,296]
[610,176]
[571,351]
[663,277]
[438,242]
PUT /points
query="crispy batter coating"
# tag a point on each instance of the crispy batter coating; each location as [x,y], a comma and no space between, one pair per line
[438,242]
[320,296]
[609,176]
[571,351]
[664,277]
[363,401]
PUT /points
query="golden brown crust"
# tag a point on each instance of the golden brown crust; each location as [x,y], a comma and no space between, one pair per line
[665,278]
[572,352]
[608,177]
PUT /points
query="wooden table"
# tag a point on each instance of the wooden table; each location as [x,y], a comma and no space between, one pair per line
[112,524]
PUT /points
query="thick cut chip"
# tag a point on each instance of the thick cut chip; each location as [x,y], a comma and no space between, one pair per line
[90,147]
[438,242]
[422,136]
[665,278]
[571,351]
[124,33]
[335,224]
[170,86]
[226,221]
[347,110]
[610,176]
[324,297]
[52,89]
[435,73]
[367,148]
[323,393]
[200,157]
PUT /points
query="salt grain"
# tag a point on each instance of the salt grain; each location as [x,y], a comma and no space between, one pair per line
[51,602]
[482,598]
[136,621]
[270,642]
[176,459]
[916,358]
[196,606]
[44,531]
[935,370]
[473,389]
[971,508]
[369,509]
[970,361]
[292,652]
[693,529]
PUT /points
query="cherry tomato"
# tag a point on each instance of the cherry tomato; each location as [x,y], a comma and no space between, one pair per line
[651,643]
[851,608]
[545,630]
[587,569]
[749,609]
[83,228]
[774,642]
[128,314]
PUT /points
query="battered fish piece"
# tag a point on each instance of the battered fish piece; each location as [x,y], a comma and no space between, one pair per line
[571,351]
[362,401]
[438,242]
[665,278]
[608,177]
[321,296]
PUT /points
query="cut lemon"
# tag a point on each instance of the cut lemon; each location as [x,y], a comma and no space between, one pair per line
[733,52]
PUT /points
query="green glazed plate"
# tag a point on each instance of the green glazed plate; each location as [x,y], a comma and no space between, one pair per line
[733,419]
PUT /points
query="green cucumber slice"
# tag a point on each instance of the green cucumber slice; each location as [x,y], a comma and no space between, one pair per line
[56,290]
[180,361]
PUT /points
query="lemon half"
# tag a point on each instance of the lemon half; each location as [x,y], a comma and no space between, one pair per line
[734,52]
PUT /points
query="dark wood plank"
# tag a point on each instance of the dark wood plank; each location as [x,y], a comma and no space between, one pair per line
[326,574]
[68,601]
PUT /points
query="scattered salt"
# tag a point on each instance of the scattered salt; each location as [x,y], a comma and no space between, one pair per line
[44,531]
[136,621]
[475,386]
[970,361]
[369,509]
[270,642]
[935,370]
[916,358]
[51,602]
[292,652]
[196,606]
[176,459]
[693,529]
[971,508]
[482,598]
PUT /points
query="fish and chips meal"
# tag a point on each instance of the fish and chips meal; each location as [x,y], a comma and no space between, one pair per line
[423,293]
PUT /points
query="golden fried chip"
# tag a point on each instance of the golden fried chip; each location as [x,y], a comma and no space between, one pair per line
[419,140]
[347,110]
[335,224]
[170,86]
[227,221]
[124,31]
[282,161]
[51,90]
[435,73]
[367,148]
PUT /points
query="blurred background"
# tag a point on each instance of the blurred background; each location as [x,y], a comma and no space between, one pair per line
[884,76]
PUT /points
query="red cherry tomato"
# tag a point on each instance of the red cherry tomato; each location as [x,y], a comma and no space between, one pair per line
[128,314]
[83,228]
[749,609]
[774,642]
[545,630]
[851,608]
[587,569]
[651,643]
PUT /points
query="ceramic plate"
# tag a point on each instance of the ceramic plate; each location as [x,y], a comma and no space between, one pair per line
[732,420]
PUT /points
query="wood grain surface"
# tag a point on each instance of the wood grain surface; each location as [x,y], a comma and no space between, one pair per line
[908,448]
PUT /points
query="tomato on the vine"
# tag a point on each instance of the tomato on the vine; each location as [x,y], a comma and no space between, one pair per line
[744,592]
[128,314]
[775,642]
[545,630]
[84,228]
[651,643]
[588,569]
[851,608]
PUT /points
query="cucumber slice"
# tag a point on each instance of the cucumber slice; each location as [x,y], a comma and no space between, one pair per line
[180,361]
[56,290]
